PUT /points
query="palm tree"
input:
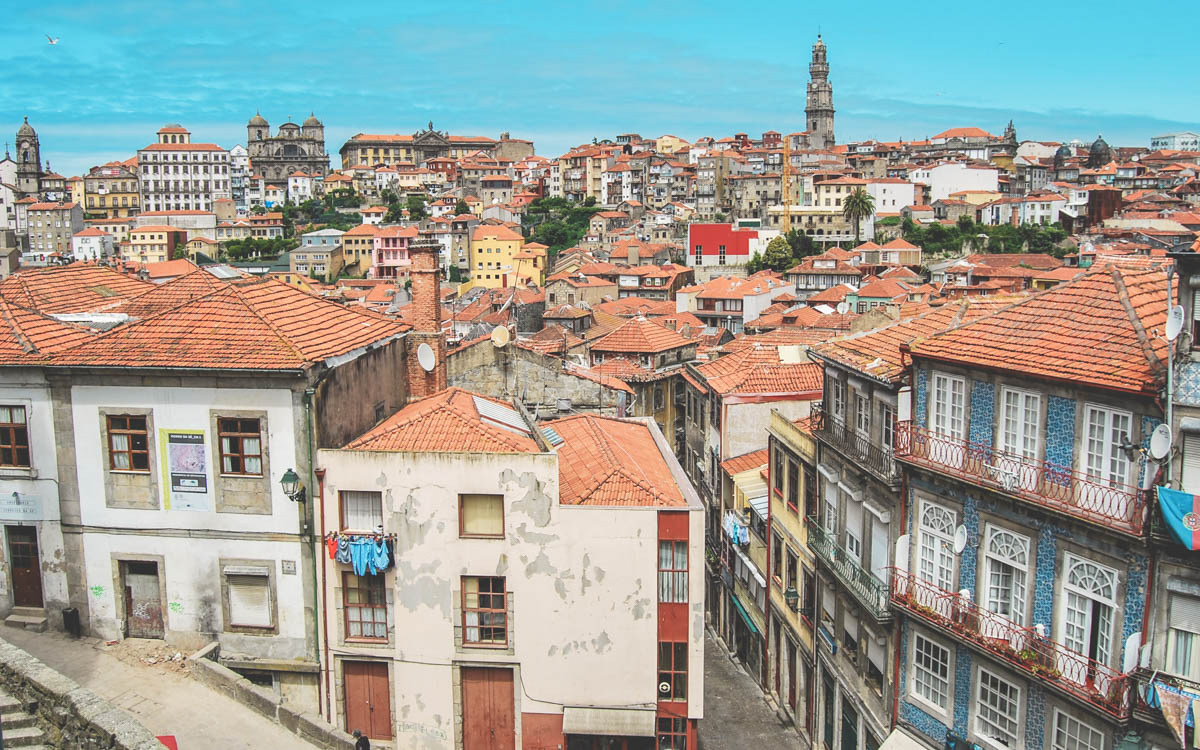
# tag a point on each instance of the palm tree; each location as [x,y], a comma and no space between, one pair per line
[858,205]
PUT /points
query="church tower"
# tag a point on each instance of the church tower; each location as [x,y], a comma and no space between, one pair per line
[29,160]
[820,99]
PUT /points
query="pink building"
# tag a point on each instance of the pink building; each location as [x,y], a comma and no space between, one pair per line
[389,253]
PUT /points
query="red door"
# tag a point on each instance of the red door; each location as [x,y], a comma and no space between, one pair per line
[26,569]
[487,699]
[368,699]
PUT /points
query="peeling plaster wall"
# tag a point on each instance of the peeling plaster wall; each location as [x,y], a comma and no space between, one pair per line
[582,583]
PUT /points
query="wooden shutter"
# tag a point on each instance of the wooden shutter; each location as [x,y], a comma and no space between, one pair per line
[249,601]
[1191,462]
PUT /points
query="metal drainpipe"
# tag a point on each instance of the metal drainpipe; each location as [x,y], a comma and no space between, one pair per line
[308,429]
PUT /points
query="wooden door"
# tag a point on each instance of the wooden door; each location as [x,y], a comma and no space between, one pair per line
[26,568]
[487,700]
[368,699]
[143,601]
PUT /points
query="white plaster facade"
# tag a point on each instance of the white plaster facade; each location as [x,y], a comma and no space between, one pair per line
[952,177]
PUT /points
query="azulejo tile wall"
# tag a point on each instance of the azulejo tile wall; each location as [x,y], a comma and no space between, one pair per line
[983,402]
[922,397]
[1060,431]
[1187,383]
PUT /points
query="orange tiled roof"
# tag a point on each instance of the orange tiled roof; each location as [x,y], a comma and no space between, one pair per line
[28,337]
[76,288]
[450,422]
[1100,329]
[759,368]
[745,462]
[607,461]
[640,335]
[250,324]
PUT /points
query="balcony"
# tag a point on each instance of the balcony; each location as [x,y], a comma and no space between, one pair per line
[870,455]
[870,592]
[1113,505]
[1079,676]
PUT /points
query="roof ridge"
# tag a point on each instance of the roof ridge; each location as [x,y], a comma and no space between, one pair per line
[158,314]
[274,329]
[1143,340]
[22,339]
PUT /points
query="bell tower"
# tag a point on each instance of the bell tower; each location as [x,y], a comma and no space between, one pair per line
[819,109]
[29,160]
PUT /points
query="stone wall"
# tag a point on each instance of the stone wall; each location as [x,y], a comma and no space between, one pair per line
[69,715]
[307,726]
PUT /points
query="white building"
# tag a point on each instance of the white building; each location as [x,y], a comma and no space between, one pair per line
[953,177]
[177,174]
[1183,141]
[8,193]
[299,187]
[197,223]
[92,244]
[891,194]
[547,586]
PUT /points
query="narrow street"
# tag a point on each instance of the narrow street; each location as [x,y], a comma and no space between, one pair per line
[736,715]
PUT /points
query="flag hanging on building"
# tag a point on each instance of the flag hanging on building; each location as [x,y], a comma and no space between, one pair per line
[1182,512]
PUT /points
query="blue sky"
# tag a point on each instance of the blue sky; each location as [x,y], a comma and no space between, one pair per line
[563,73]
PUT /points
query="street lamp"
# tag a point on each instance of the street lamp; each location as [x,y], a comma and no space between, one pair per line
[290,482]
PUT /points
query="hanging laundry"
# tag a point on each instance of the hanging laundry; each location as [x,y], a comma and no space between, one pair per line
[343,549]
[360,555]
[380,556]
[1175,711]
[331,542]
[1195,722]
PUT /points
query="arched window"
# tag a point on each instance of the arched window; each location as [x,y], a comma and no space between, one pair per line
[1007,570]
[1090,607]
[935,548]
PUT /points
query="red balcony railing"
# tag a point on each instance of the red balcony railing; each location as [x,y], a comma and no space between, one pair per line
[1067,670]
[1113,505]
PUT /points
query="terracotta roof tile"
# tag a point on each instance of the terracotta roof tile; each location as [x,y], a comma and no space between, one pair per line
[745,462]
[450,422]
[607,461]
[76,288]
[763,368]
[640,335]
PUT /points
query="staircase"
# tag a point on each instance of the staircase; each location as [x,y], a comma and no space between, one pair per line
[20,730]
[30,618]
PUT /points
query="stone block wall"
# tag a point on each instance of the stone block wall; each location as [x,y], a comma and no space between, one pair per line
[69,715]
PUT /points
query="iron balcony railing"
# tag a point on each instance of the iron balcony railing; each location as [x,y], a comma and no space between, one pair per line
[1069,671]
[870,592]
[1113,505]
[870,455]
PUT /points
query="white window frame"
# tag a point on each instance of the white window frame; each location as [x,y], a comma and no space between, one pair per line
[837,389]
[1099,465]
[1183,624]
[977,720]
[939,544]
[914,693]
[1059,716]
[1018,603]
[862,414]
[944,417]
[1019,436]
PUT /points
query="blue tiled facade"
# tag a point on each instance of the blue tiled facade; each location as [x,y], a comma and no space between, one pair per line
[1060,431]
[983,399]
[1044,576]
[1187,383]
[962,689]
[922,407]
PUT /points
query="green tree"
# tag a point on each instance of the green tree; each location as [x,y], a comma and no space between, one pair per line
[455,276]
[801,244]
[857,206]
[416,207]
[387,195]
[461,207]
[966,224]
[755,264]
[778,256]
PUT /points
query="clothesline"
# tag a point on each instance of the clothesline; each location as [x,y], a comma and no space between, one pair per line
[370,554]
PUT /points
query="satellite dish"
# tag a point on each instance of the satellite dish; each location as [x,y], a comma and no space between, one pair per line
[664,687]
[426,358]
[1174,322]
[960,539]
[843,308]
[500,337]
[1160,442]
[1129,661]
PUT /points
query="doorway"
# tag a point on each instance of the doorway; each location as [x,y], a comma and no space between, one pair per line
[488,709]
[143,599]
[368,699]
[26,566]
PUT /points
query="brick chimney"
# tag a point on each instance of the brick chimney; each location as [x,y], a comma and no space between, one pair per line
[426,317]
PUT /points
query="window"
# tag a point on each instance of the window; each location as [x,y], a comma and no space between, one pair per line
[930,672]
[1183,637]
[837,393]
[887,427]
[1105,458]
[672,671]
[949,405]
[128,443]
[1087,624]
[792,562]
[862,414]
[777,471]
[831,508]
[810,492]
[361,511]
[672,572]
[660,399]
[241,446]
[672,733]
[997,709]
[793,489]
[1072,734]
[849,724]
[249,601]
[777,558]
[1007,570]
[481,516]
[485,611]
[935,549]
[1019,423]
[14,436]
[828,710]
[364,600]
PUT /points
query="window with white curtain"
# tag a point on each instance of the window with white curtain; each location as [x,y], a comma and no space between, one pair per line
[931,672]
[1183,637]
[948,405]
[997,710]
[935,549]
[1072,734]
[1007,571]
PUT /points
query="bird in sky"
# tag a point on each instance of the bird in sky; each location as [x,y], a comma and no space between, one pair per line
[52,39]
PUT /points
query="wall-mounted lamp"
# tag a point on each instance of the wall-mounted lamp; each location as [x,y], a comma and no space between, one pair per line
[290,482]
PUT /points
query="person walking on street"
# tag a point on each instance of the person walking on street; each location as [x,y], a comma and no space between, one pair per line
[360,741]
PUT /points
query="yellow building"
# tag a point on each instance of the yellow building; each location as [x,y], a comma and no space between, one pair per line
[356,248]
[111,191]
[202,246]
[493,255]
[529,265]
[669,144]
[153,244]
[75,185]
[791,575]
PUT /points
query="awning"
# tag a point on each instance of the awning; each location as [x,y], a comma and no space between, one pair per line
[901,740]
[759,505]
[612,722]
[745,616]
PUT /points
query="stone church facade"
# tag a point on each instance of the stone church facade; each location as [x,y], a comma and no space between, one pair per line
[294,148]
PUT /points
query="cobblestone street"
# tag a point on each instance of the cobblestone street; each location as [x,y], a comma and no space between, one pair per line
[735,713]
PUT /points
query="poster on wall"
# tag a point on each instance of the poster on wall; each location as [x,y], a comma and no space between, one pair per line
[185,480]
